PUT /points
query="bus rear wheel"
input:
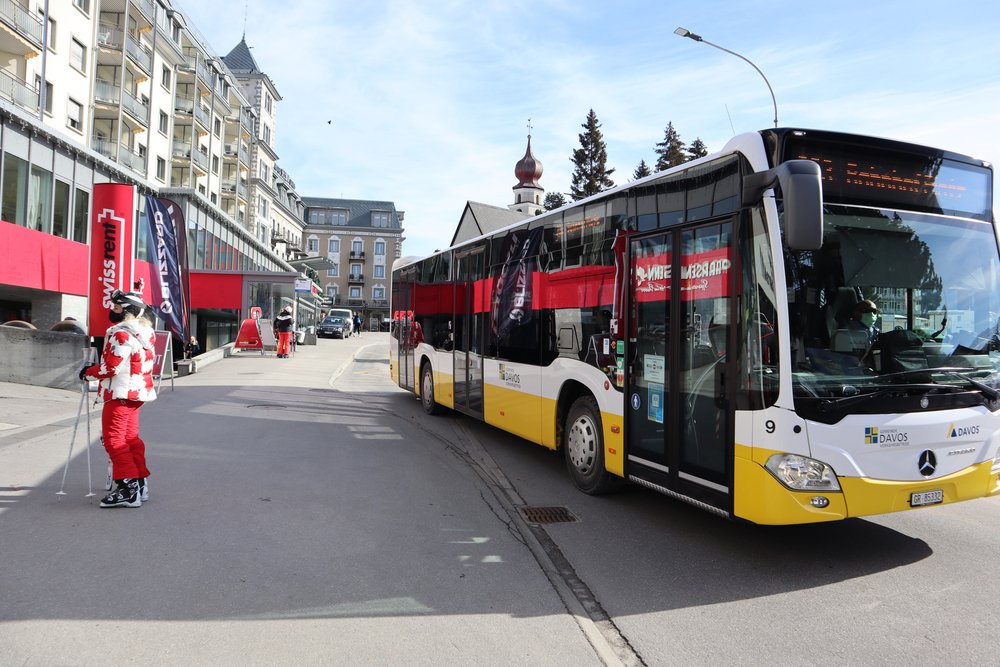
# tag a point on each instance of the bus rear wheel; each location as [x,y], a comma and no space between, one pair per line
[584,448]
[427,390]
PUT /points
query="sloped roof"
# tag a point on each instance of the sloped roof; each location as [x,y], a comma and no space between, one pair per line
[478,219]
[240,58]
[359,211]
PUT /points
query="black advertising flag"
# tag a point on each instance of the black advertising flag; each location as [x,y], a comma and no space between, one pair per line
[169,297]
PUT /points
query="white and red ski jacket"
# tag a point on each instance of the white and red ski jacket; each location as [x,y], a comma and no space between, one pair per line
[126,368]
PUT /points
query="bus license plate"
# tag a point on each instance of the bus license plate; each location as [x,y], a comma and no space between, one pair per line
[926,498]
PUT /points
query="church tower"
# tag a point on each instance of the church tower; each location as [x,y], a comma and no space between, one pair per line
[528,194]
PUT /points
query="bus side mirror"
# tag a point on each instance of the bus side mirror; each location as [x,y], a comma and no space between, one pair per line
[802,194]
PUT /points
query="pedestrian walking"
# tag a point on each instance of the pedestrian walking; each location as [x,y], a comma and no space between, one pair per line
[357,323]
[283,325]
[126,384]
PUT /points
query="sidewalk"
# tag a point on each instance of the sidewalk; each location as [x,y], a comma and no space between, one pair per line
[28,411]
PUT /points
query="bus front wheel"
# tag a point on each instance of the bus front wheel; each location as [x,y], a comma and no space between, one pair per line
[584,448]
[427,390]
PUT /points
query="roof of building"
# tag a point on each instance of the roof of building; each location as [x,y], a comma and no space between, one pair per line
[478,219]
[359,211]
[240,58]
[528,170]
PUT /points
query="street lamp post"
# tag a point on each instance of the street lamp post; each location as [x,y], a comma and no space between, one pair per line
[684,32]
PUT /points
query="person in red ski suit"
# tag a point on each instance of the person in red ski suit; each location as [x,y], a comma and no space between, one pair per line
[284,324]
[126,384]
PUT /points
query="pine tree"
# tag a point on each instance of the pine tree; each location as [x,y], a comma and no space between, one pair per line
[553,200]
[641,171]
[670,150]
[697,149]
[591,174]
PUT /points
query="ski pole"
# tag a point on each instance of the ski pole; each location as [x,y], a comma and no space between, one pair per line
[72,440]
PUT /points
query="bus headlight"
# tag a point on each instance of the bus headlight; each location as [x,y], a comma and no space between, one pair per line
[801,473]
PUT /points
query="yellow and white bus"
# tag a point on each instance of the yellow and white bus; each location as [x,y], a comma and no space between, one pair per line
[698,331]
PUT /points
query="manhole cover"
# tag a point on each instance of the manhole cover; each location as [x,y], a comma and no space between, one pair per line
[267,406]
[547,515]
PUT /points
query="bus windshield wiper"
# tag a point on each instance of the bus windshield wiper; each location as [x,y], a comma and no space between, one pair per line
[954,371]
[847,401]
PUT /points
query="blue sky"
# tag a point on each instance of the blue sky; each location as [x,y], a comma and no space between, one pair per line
[430,99]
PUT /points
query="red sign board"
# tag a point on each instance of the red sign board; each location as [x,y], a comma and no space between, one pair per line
[249,336]
[111,251]
[704,275]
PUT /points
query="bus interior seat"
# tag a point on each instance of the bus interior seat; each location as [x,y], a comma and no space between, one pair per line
[840,309]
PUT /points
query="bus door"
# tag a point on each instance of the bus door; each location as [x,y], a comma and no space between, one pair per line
[678,422]
[468,353]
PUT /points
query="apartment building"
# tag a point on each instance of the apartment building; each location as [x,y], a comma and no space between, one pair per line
[360,239]
[127,91]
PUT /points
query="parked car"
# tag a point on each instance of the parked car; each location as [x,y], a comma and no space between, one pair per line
[347,316]
[335,327]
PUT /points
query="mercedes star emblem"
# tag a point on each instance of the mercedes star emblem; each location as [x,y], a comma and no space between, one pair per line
[927,463]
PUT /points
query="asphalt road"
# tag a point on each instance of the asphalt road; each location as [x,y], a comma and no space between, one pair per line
[305,511]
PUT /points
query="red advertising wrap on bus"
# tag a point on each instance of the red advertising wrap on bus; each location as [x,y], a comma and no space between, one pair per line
[112,221]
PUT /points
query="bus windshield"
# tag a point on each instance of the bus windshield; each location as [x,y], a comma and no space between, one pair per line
[897,307]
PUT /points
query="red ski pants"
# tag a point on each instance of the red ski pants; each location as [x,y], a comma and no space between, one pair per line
[284,342]
[120,428]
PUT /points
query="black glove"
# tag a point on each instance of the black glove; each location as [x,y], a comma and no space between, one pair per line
[83,372]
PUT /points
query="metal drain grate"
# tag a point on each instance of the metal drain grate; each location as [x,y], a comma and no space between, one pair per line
[547,515]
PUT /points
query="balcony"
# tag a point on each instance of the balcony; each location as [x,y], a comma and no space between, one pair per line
[107,93]
[203,115]
[146,7]
[355,279]
[25,24]
[110,37]
[138,109]
[139,54]
[184,105]
[105,147]
[358,254]
[133,161]
[17,91]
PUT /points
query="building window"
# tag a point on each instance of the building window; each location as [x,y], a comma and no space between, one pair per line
[268,102]
[15,187]
[267,135]
[312,245]
[378,293]
[355,292]
[355,270]
[74,114]
[380,219]
[215,164]
[262,208]
[77,55]
[81,215]
[166,76]
[379,271]
[333,246]
[214,198]
[52,32]
[263,172]
[161,168]
[82,5]
[334,272]
[218,127]
[48,93]
[357,247]
[164,123]
[317,217]
[331,291]
[338,217]
[380,247]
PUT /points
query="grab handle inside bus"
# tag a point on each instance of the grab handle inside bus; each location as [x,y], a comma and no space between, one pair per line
[802,194]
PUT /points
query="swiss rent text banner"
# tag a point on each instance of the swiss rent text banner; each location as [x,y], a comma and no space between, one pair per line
[111,251]
[169,294]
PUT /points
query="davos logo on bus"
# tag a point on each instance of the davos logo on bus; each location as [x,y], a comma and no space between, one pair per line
[962,431]
[886,437]
[509,378]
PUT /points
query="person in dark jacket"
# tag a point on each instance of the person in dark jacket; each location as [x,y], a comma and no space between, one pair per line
[283,325]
